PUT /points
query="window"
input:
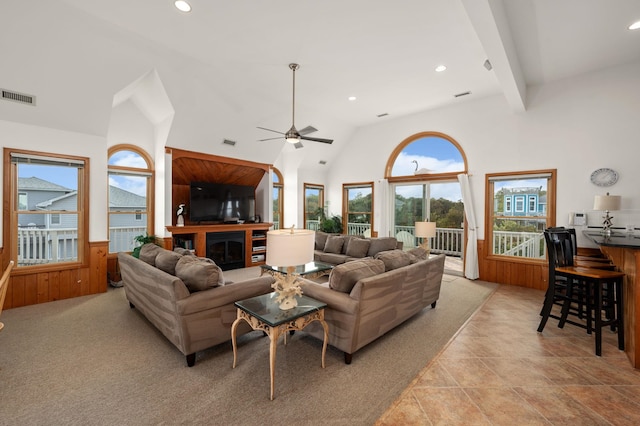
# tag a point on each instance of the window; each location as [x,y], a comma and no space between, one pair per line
[519,233]
[357,202]
[313,205]
[427,153]
[278,199]
[130,202]
[48,224]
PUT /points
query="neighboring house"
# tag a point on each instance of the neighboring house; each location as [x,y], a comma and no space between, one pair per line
[121,200]
[524,202]
[34,192]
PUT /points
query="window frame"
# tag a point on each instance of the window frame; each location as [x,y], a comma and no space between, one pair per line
[550,214]
[311,186]
[10,221]
[279,187]
[147,172]
[346,187]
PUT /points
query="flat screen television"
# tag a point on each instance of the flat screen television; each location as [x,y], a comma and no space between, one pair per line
[219,203]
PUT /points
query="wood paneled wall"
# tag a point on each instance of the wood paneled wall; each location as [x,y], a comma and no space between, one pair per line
[39,287]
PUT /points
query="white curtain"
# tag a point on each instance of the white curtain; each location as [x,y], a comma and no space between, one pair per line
[381,208]
[471,254]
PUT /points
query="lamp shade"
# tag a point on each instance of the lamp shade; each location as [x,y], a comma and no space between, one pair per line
[290,247]
[606,202]
[425,229]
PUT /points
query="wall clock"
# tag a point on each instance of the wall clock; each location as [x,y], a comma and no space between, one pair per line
[604,177]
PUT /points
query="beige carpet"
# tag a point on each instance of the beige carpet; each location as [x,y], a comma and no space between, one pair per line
[93,360]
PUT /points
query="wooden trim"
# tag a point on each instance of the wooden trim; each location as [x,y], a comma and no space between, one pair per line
[306,185]
[394,155]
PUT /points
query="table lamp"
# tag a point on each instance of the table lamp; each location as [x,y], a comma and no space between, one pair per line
[606,203]
[425,230]
[289,248]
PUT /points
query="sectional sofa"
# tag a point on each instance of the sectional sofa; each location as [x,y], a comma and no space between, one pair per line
[339,248]
[186,297]
[368,297]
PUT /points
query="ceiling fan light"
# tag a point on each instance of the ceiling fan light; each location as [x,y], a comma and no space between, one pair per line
[292,139]
[292,136]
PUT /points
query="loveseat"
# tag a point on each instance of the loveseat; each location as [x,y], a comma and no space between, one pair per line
[186,297]
[368,297]
[339,248]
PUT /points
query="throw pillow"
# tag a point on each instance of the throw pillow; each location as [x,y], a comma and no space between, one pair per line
[148,253]
[418,254]
[394,259]
[343,277]
[183,251]
[381,244]
[199,273]
[334,244]
[345,245]
[357,247]
[166,261]
[321,240]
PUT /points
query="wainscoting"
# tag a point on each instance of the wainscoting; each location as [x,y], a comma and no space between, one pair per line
[511,272]
[46,286]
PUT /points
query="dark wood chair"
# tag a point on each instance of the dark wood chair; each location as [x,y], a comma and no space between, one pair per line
[593,296]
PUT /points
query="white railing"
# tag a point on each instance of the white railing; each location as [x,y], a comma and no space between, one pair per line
[122,238]
[41,246]
[520,244]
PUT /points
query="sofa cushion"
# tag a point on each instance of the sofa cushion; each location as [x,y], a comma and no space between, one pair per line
[357,247]
[381,244]
[148,253]
[183,251]
[343,277]
[418,254]
[199,273]
[394,259]
[334,244]
[166,261]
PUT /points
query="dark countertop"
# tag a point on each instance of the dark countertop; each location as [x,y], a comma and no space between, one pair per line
[617,239]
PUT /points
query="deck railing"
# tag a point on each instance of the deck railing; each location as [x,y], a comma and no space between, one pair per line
[521,244]
[122,238]
[41,246]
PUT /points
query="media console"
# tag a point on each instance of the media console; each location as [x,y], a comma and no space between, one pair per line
[214,240]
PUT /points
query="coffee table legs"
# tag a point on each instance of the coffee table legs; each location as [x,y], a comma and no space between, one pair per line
[274,333]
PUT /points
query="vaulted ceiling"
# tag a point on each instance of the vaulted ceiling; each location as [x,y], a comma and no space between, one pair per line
[224,65]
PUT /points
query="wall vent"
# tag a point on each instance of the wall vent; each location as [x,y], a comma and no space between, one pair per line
[323,162]
[461,94]
[22,98]
[383,114]
[229,142]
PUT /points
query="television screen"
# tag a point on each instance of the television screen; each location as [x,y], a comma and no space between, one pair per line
[217,202]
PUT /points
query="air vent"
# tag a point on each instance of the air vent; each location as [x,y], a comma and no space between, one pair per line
[384,114]
[322,162]
[22,98]
[461,94]
[229,142]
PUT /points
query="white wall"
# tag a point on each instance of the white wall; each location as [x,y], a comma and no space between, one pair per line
[34,138]
[575,126]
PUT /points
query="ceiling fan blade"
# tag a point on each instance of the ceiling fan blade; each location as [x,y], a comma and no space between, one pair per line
[307,138]
[298,145]
[307,130]
[269,130]
[270,139]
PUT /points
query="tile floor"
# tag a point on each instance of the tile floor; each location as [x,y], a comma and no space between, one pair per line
[499,371]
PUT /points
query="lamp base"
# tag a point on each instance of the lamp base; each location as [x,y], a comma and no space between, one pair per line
[425,247]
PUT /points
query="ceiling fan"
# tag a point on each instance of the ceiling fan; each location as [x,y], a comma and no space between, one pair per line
[294,136]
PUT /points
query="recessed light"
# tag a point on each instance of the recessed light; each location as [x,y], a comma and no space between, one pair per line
[635,25]
[440,68]
[352,98]
[182,6]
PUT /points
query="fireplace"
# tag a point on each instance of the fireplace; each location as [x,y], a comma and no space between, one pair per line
[226,249]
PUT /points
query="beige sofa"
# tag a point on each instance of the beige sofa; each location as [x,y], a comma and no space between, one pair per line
[366,298]
[186,297]
[340,248]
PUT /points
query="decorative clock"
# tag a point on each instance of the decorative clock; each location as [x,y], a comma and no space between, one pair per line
[604,177]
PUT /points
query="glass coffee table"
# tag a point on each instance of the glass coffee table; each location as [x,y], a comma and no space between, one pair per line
[309,270]
[263,313]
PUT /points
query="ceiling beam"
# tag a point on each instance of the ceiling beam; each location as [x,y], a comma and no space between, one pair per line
[489,21]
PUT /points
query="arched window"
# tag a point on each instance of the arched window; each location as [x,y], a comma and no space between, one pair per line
[278,198]
[422,172]
[130,196]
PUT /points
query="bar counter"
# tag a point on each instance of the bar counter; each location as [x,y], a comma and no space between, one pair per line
[623,249]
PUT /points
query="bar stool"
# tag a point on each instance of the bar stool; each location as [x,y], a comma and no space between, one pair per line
[593,291]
